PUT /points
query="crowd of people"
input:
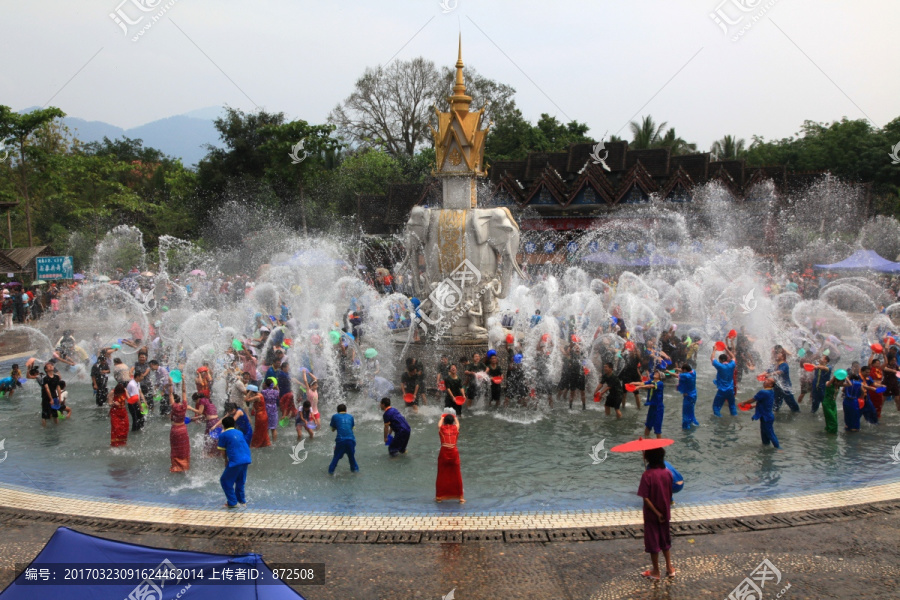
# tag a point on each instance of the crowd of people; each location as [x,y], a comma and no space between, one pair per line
[264,395]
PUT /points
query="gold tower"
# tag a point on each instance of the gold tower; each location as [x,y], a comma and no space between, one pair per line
[459,144]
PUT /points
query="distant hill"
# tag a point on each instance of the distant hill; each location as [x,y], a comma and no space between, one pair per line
[182,136]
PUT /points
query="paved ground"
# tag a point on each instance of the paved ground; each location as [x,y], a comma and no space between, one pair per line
[850,559]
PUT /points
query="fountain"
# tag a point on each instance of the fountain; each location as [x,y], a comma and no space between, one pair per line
[473,295]
[469,253]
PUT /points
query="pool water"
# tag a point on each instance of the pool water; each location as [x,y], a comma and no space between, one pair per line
[512,459]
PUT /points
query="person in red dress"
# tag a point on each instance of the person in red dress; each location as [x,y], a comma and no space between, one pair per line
[179,442]
[257,406]
[656,490]
[118,416]
[449,485]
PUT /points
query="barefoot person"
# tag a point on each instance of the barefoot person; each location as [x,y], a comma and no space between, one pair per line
[395,424]
[656,490]
[236,452]
[449,485]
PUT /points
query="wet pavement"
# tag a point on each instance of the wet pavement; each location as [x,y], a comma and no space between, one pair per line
[854,558]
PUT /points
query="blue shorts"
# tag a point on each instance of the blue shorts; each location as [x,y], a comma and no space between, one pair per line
[655,418]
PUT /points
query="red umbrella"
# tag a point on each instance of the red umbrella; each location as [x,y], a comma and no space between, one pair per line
[640,444]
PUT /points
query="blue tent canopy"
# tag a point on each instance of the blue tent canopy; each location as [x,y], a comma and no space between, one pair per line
[69,549]
[864,260]
[610,258]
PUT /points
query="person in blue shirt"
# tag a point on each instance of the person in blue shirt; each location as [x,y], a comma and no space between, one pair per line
[724,381]
[764,401]
[820,378]
[852,393]
[394,423]
[655,403]
[345,442]
[783,389]
[687,387]
[236,451]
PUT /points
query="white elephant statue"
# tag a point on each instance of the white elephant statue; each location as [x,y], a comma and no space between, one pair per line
[491,242]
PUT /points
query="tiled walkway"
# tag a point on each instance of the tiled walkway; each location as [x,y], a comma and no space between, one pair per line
[15,498]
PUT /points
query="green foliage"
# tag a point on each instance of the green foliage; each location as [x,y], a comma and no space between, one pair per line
[512,137]
[851,150]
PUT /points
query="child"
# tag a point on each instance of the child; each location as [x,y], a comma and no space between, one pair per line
[312,395]
[765,413]
[303,420]
[655,403]
[10,384]
[687,386]
[63,396]
[656,490]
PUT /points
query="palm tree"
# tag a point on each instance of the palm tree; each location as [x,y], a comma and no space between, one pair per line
[646,133]
[676,145]
[728,148]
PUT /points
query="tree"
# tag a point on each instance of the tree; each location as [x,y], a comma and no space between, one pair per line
[675,144]
[646,134]
[257,153]
[512,137]
[20,129]
[728,148]
[390,109]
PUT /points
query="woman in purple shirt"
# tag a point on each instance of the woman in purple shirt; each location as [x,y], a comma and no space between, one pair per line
[656,490]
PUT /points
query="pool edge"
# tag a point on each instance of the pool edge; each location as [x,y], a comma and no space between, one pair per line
[757,514]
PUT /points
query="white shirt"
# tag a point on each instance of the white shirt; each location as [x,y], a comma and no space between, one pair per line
[133,388]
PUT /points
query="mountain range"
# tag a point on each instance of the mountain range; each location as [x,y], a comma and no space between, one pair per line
[182,136]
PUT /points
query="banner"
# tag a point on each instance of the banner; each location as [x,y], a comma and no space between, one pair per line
[54,267]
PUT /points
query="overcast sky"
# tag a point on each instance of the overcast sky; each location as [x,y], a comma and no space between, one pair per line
[603,62]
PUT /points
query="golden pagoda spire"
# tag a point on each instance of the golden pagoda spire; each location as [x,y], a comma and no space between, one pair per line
[459,100]
[459,138]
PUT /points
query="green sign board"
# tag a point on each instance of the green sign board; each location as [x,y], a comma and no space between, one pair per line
[54,267]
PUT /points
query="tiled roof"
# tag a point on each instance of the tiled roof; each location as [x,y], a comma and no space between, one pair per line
[514,167]
[538,161]
[636,176]
[552,182]
[24,257]
[655,160]
[695,165]
[734,168]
